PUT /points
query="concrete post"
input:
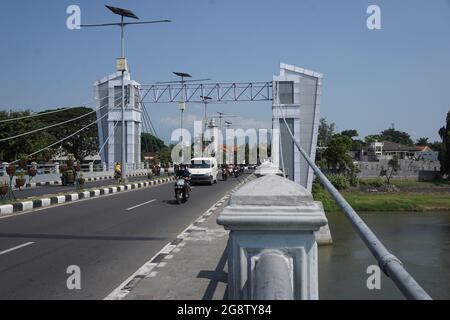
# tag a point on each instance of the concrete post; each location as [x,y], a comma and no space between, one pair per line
[272,213]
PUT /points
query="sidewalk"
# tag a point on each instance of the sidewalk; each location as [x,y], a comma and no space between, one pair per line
[194,266]
[195,269]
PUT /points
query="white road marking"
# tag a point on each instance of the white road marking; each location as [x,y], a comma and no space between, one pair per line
[140,205]
[15,248]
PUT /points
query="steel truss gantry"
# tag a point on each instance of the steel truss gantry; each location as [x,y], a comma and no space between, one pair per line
[193,92]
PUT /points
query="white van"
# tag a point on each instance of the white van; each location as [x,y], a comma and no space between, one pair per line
[203,170]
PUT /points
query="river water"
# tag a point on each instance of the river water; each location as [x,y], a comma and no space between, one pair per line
[420,240]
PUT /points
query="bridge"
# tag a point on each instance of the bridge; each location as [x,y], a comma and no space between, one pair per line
[275,225]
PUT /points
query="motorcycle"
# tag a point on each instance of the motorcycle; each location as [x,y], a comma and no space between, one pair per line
[236,172]
[181,190]
[118,176]
[225,174]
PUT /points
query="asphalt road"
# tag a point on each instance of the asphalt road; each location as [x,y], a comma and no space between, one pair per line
[103,238]
[47,190]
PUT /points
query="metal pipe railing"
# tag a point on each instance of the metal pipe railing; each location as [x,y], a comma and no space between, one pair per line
[390,264]
[272,277]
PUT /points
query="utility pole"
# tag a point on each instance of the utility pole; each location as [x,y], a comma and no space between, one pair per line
[182,107]
[122,66]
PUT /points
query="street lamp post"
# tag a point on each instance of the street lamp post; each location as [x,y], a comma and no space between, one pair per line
[182,107]
[122,64]
[205,120]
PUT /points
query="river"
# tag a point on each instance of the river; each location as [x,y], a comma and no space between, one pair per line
[420,240]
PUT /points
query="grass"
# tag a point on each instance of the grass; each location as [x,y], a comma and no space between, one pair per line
[400,201]
[408,182]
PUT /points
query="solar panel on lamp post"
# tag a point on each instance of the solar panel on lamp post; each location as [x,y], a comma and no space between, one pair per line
[122,65]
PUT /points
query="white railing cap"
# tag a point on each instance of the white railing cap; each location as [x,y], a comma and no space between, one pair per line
[268,168]
[272,203]
[272,190]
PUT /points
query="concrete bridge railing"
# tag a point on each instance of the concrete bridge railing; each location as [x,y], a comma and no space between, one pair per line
[50,171]
[272,244]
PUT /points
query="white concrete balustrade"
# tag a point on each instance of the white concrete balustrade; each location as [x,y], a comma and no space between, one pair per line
[273,214]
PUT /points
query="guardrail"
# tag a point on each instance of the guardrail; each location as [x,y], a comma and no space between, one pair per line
[388,263]
[270,285]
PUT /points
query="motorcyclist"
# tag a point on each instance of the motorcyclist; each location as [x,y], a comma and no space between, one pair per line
[184,173]
[117,169]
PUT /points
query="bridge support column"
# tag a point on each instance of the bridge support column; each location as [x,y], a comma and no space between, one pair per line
[296,97]
[272,213]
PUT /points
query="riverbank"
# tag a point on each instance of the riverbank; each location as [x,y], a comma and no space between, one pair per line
[409,196]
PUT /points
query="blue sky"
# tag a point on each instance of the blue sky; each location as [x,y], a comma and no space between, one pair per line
[372,78]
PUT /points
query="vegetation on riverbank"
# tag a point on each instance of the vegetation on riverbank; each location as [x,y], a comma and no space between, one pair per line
[411,196]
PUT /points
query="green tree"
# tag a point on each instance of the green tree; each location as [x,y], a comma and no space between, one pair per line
[336,156]
[326,132]
[372,138]
[422,141]
[396,136]
[357,144]
[150,143]
[83,144]
[350,133]
[10,150]
[444,152]
[436,145]
[164,155]
[391,170]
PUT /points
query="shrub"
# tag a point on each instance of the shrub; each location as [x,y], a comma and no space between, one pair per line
[339,181]
[376,183]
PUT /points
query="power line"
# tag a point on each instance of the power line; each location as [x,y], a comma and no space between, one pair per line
[56,124]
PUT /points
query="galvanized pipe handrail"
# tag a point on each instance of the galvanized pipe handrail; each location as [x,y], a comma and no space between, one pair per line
[390,264]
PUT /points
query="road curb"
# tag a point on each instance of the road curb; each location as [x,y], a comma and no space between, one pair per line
[22,206]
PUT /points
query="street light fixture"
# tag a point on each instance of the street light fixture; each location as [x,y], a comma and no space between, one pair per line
[122,63]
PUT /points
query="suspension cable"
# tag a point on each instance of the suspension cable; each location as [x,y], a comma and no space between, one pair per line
[109,136]
[69,136]
[55,124]
[44,113]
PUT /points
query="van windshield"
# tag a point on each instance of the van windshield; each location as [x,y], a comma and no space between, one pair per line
[200,164]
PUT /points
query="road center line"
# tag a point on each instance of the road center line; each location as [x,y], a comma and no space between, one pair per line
[139,205]
[15,248]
